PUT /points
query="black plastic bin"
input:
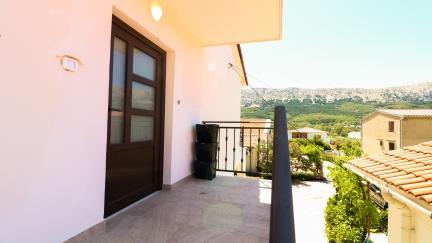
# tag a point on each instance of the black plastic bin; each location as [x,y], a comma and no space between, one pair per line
[207,133]
[205,169]
[206,151]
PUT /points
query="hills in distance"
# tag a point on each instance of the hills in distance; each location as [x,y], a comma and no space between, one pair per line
[337,111]
[409,93]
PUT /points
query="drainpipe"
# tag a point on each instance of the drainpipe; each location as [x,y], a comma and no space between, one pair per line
[282,213]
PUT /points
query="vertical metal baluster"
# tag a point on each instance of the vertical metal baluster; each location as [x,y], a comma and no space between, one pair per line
[250,150]
[218,149]
[242,146]
[267,146]
[226,148]
[234,144]
[272,137]
[259,144]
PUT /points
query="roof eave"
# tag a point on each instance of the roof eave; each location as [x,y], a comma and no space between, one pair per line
[240,53]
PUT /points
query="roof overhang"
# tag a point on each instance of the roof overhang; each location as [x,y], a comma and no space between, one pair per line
[229,22]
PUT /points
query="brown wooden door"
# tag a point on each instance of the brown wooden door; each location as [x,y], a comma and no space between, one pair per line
[135,118]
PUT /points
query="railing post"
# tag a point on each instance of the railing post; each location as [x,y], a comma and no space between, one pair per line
[282,213]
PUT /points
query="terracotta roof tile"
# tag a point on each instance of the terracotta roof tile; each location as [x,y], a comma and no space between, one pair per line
[418,168]
[427,198]
[409,169]
[400,177]
[421,191]
[417,185]
[384,172]
[408,181]
[422,172]
[400,173]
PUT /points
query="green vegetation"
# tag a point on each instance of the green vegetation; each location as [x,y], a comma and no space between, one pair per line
[306,159]
[350,147]
[338,117]
[350,215]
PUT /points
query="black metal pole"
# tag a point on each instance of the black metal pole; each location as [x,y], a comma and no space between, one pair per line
[282,213]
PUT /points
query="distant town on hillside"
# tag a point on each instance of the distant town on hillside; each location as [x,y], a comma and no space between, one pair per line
[337,111]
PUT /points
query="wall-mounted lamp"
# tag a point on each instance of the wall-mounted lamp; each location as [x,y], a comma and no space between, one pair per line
[156,10]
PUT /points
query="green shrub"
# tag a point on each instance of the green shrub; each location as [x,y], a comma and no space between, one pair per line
[350,213]
[312,161]
[303,176]
[381,225]
[350,147]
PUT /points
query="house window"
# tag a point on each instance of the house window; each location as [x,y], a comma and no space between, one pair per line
[381,143]
[391,146]
[391,126]
[299,135]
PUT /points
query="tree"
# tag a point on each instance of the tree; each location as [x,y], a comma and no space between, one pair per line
[350,213]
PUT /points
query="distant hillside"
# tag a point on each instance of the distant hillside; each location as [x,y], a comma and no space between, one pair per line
[337,111]
[410,93]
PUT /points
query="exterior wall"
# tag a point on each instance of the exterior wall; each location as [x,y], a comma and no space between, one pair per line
[422,227]
[400,220]
[416,130]
[53,160]
[324,136]
[311,135]
[354,135]
[407,224]
[375,128]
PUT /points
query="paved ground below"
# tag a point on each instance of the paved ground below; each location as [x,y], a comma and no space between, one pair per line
[227,209]
[310,199]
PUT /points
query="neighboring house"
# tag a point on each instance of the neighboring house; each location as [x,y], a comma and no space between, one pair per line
[389,129]
[255,130]
[308,133]
[404,178]
[354,135]
[100,99]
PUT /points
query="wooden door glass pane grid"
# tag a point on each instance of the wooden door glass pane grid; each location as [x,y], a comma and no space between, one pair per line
[141,128]
[144,65]
[118,91]
[143,96]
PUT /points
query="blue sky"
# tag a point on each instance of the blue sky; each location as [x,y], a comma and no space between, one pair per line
[346,43]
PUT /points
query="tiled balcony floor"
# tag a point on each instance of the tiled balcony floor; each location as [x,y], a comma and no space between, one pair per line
[226,209]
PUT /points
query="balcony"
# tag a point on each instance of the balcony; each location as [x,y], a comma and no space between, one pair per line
[226,209]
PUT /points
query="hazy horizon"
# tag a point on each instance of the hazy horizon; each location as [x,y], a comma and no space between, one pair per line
[314,88]
[346,44]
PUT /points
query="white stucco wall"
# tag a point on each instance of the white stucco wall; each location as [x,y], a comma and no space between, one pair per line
[54,122]
[406,223]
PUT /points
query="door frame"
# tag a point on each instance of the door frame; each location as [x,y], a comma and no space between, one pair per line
[161,139]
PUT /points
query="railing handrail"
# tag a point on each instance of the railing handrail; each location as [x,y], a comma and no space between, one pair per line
[261,128]
[236,122]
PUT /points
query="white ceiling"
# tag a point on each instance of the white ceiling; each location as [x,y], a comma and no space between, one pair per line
[216,22]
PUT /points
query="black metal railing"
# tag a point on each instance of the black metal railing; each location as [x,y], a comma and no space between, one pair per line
[244,147]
